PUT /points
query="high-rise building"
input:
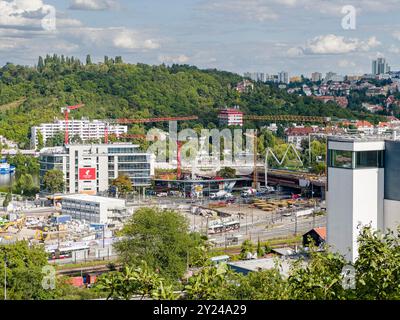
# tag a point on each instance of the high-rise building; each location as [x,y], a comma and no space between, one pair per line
[90,168]
[362,189]
[380,66]
[283,77]
[316,76]
[255,76]
[84,129]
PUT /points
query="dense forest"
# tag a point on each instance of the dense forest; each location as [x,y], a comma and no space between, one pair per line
[114,89]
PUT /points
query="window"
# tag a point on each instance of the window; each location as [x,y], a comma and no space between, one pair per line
[362,159]
[369,159]
[340,159]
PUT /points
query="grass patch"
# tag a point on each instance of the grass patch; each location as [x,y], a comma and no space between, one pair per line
[12,105]
[83,264]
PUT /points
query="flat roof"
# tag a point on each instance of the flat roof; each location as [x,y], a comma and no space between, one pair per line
[90,198]
[264,264]
[205,181]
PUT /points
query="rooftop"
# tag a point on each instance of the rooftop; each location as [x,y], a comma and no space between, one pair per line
[389,135]
[89,198]
[263,264]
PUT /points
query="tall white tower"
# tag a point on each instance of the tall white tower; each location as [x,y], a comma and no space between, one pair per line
[355,191]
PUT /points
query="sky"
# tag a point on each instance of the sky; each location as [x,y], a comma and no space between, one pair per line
[297,36]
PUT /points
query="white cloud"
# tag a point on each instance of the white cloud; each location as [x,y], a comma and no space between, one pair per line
[179,59]
[332,44]
[295,52]
[120,38]
[23,14]
[93,5]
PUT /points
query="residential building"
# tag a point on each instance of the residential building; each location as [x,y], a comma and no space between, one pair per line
[94,209]
[244,86]
[90,169]
[363,189]
[316,76]
[283,77]
[231,117]
[380,66]
[341,101]
[255,76]
[317,236]
[296,135]
[84,129]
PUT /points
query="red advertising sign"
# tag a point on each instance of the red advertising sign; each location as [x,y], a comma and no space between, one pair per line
[87,174]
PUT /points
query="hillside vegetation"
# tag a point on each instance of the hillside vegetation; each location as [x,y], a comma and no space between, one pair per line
[114,89]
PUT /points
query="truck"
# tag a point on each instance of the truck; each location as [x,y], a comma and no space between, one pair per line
[221,195]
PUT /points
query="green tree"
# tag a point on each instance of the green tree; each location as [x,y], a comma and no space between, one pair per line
[131,282]
[377,265]
[123,183]
[56,141]
[210,283]
[260,249]
[40,65]
[227,173]
[53,181]
[246,248]
[88,60]
[7,200]
[24,271]
[25,185]
[160,238]
[40,144]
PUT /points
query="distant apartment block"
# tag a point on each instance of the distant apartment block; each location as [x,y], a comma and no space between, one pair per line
[283,77]
[380,66]
[84,129]
[231,117]
[316,76]
[90,168]
[334,77]
[255,76]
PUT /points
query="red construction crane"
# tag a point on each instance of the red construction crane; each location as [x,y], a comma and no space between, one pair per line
[142,120]
[66,111]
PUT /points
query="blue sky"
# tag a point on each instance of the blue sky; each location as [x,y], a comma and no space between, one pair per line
[298,36]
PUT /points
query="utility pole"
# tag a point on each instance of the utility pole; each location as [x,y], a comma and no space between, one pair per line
[5,275]
[255,161]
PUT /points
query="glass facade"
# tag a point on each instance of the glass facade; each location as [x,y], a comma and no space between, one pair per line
[356,159]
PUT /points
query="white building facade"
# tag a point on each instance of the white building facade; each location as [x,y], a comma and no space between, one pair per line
[93,209]
[362,189]
[90,169]
[84,129]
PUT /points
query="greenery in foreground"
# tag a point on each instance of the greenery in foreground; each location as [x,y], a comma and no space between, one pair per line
[317,277]
[158,249]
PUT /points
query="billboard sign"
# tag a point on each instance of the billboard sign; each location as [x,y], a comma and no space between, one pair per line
[87,174]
